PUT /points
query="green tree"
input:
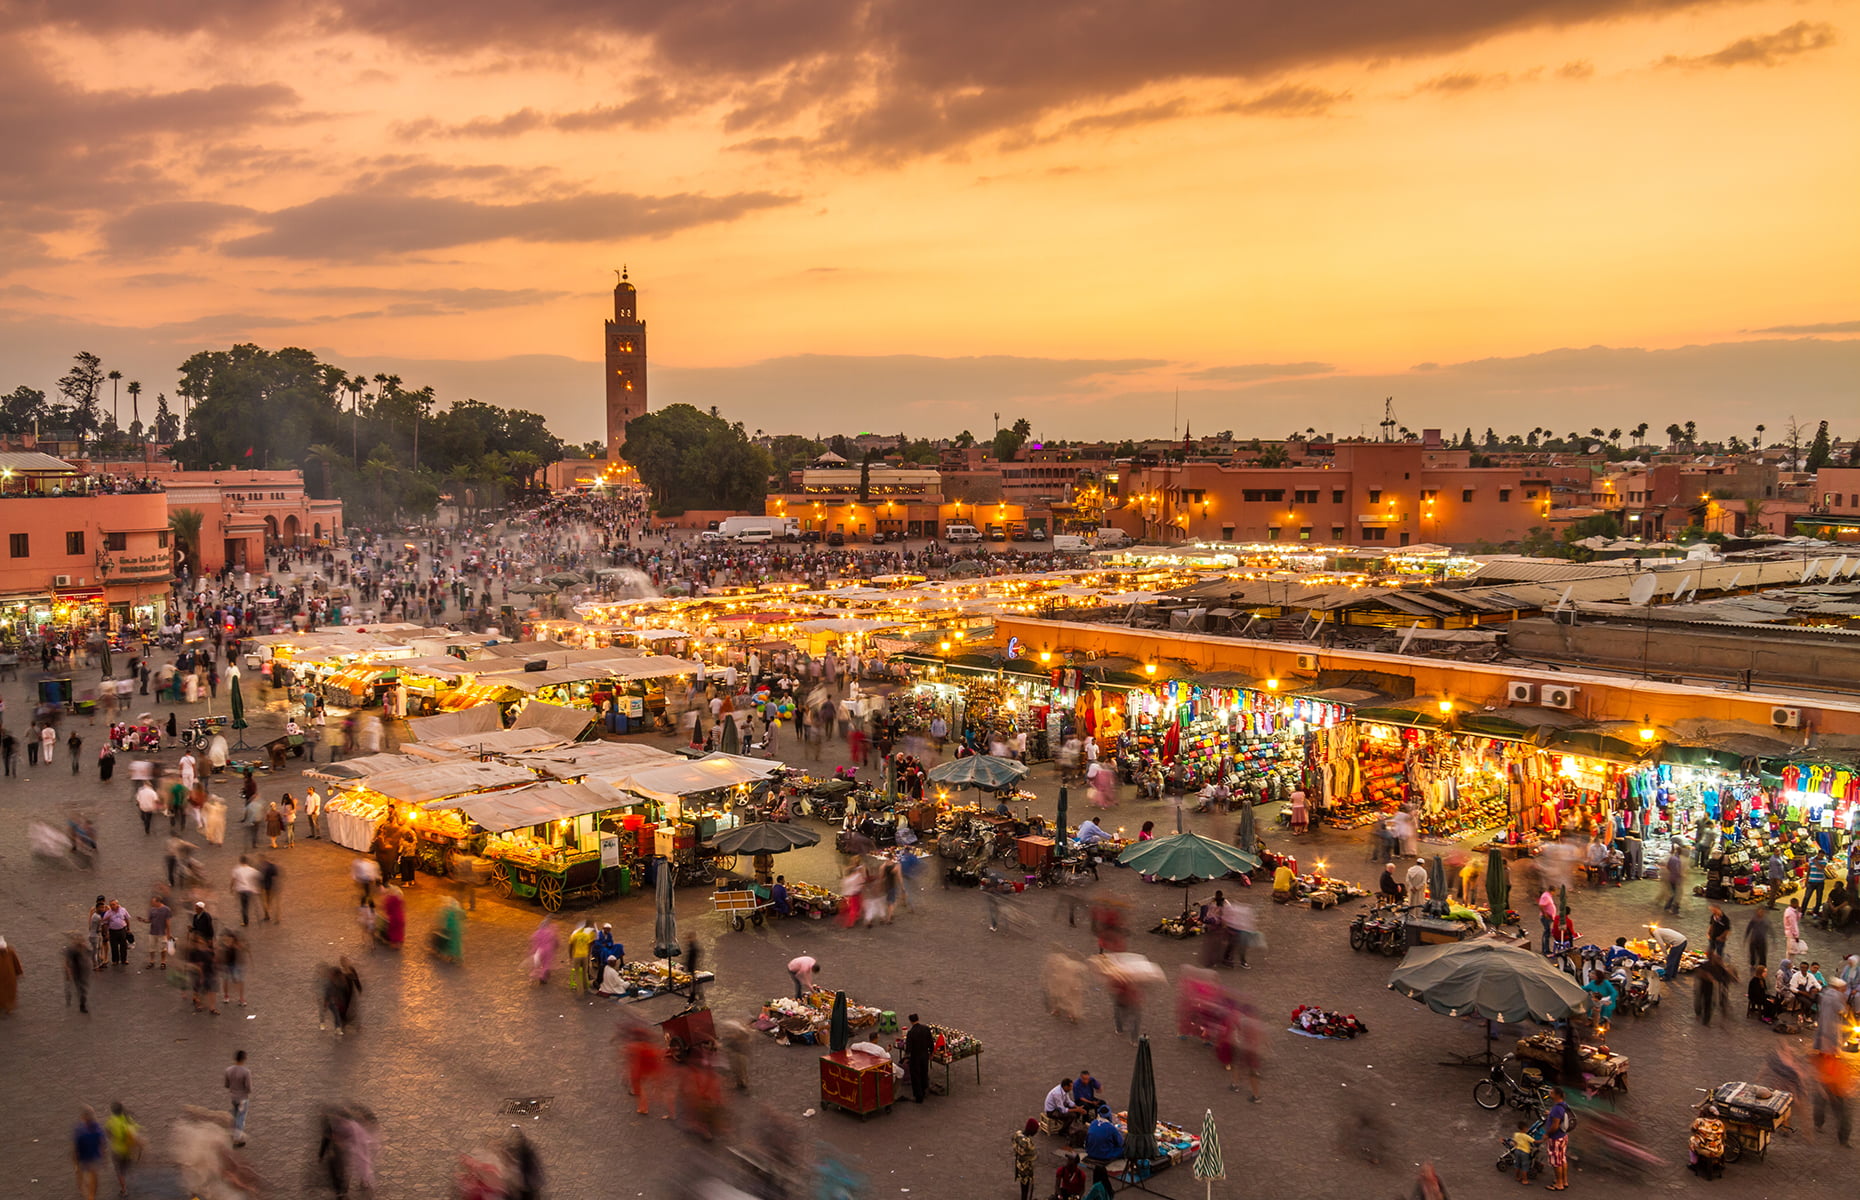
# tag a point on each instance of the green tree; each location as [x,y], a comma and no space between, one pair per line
[964,440]
[79,387]
[1640,432]
[167,426]
[135,405]
[691,459]
[1673,433]
[1820,451]
[184,525]
[788,451]
[21,410]
[1692,433]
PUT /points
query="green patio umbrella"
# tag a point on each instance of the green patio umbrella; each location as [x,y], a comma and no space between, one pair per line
[1497,885]
[1493,979]
[764,837]
[236,698]
[979,770]
[1184,856]
[1208,1165]
[839,1032]
[1140,1133]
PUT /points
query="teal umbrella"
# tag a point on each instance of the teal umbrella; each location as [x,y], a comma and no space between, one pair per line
[1492,979]
[1140,1134]
[1208,1165]
[1497,885]
[979,770]
[1185,856]
[839,1032]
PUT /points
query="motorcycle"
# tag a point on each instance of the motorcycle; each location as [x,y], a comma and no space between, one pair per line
[1378,929]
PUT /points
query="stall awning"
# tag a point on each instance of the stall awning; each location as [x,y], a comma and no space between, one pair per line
[688,778]
[1593,743]
[1521,724]
[365,766]
[435,781]
[517,808]
[601,760]
[1405,718]
[497,741]
[568,723]
[479,718]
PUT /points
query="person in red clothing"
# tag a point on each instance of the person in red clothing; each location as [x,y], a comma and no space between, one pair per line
[1069,1179]
[1562,934]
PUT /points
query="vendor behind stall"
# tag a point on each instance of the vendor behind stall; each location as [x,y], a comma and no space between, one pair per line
[1104,1141]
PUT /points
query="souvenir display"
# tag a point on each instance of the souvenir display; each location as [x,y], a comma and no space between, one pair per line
[1313,1021]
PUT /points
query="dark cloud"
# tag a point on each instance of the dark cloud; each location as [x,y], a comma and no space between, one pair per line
[889,79]
[156,229]
[1822,327]
[356,226]
[1250,372]
[161,279]
[426,301]
[1456,82]
[1288,100]
[652,106]
[1762,49]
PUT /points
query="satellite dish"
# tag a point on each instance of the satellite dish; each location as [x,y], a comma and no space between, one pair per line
[1839,568]
[1809,569]
[1562,601]
[1644,588]
[1407,636]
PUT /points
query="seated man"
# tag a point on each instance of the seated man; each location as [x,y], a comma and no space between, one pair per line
[1761,1003]
[1619,954]
[1069,1179]
[778,897]
[1282,884]
[1085,1091]
[1090,831]
[1061,1110]
[1103,1140]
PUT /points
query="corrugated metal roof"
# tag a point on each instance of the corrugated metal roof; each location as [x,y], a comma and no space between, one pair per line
[34,462]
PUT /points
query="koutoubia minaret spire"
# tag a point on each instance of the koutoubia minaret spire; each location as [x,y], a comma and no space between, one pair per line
[626,364]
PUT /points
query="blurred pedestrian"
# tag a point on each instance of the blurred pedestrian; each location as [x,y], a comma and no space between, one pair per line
[1064,984]
[78,966]
[124,1138]
[239,1090]
[10,971]
[87,1144]
[1757,938]
[246,885]
[232,964]
[526,1173]
[544,944]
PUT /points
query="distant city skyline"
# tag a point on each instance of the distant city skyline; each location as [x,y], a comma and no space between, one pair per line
[1568,212]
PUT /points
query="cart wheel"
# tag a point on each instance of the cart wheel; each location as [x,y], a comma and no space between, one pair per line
[756,919]
[736,923]
[1733,1149]
[1357,937]
[726,863]
[676,1047]
[550,889]
[1488,1095]
[500,877]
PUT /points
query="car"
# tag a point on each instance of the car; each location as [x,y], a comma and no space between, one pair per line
[996,534]
[711,535]
[1038,535]
[810,535]
[879,537]
[836,538]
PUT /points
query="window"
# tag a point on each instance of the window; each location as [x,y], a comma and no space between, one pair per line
[1263,495]
[1375,533]
[1375,495]
[1304,533]
[1336,533]
[1227,533]
[1430,493]
[1336,496]
[1466,495]
[161,540]
[1272,533]
[1504,495]
[1531,494]
[1305,497]
[19,545]
[74,542]
[1404,539]
[116,541]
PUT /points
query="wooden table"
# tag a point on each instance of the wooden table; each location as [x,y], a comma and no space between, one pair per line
[856,1082]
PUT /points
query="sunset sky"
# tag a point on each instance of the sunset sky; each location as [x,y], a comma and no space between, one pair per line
[913,215]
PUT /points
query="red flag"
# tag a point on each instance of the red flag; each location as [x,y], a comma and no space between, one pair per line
[248,451]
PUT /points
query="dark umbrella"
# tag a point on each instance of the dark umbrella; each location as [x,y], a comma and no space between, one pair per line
[1060,819]
[1249,835]
[1492,978]
[697,730]
[1437,878]
[106,658]
[729,743]
[839,1033]
[1497,885]
[665,921]
[764,837]
[236,698]
[978,770]
[1140,1133]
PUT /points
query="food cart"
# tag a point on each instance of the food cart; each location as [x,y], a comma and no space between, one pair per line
[1751,1113]
[554,843]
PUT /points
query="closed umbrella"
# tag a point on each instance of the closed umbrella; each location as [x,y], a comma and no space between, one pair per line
[1437,878]
[1248,837]
[978,770]
[730,743]
[1140,1135]
[107,672]
[697,730]
[665,921]
[839,1032]
[1497,885]
[1208,1165]
[1060,818]
[236,698]
[764,837]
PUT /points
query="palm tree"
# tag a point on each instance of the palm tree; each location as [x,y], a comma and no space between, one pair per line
[1757,445]
[1640,431]
[1614,435]
[1692,433]
[1673,434]
[115,414]
[324,454]
[184,527]
[135,402]
[523,465]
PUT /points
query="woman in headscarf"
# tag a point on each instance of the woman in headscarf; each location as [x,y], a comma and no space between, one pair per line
[543,946]
[393,916]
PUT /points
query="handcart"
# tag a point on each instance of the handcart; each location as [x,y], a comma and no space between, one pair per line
[746,903]
[1751,1113]
[688,1030]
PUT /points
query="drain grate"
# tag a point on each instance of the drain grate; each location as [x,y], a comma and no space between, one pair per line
[525,1106]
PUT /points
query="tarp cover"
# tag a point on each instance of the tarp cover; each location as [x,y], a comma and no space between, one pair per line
[479,718]
[566,723]
[599,760]
[691,776]
[516,808]
[368,764]
[434,781]
[498,741]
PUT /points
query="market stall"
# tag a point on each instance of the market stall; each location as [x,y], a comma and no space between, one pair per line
[357,813]
[805,1022]
[556,842]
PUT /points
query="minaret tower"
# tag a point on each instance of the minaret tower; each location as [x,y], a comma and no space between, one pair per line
[626,365]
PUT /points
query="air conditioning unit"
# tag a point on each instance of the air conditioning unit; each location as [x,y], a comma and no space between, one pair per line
[61,581]
[1521,691]
[1786,718]
[1307,662]
[1557,696]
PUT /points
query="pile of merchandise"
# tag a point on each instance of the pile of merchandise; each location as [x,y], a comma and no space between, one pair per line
[1324,891]
[1182,925]
[651,978]
[809,900]
[1312,1021]
[951,1044]
[806,1022]
[1173,1142]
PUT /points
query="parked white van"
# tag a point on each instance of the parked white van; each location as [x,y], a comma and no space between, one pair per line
[1112,538]
[961,533]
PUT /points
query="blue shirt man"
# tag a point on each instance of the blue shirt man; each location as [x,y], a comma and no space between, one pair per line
[1103,1140]
[1085,1090]
[778,896]
[1090,831]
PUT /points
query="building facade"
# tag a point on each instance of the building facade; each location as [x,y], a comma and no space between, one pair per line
[1370,494]
[625,349]
[242,513]
[78,555]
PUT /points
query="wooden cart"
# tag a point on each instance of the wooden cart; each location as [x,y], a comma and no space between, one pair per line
[554,882]
[1752,1115]
[856,1082]
[745,905]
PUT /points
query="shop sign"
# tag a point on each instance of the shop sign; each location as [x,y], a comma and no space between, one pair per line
[610,851]
[137,566]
